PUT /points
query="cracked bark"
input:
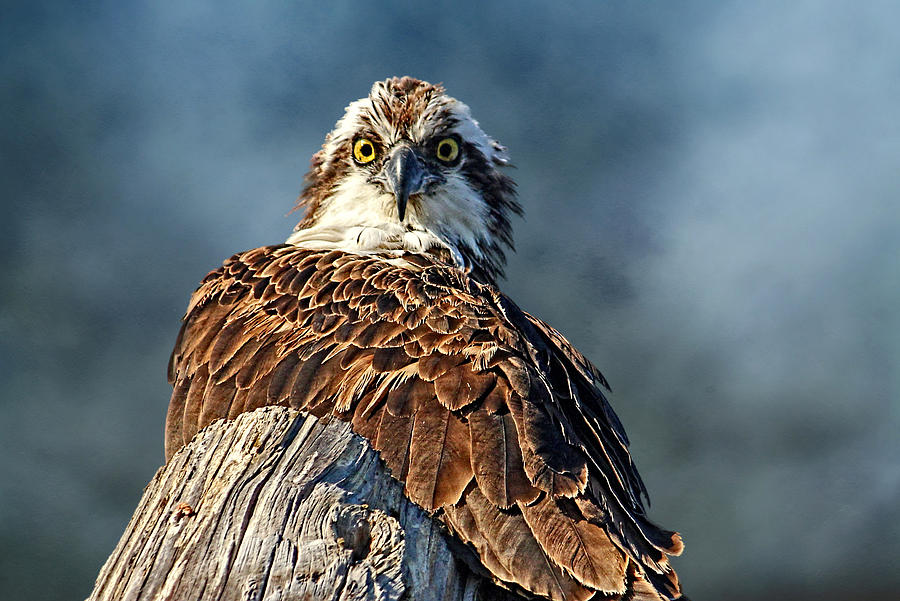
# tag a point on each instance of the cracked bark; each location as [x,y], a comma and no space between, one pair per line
[277,504]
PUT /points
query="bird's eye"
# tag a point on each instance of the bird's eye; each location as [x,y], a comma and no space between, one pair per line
[363,151]
[447,150]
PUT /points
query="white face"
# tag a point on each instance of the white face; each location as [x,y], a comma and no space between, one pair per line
[434,138]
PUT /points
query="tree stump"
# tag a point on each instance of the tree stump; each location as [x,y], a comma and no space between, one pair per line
[277,504]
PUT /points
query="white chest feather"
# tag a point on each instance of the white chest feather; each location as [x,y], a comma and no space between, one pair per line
[360,217]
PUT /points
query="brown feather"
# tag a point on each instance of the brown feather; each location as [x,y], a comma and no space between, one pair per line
[550,462]
[462,386]
[323,323]
[311,378]
[241,399]
[460,520]
[639,588]
[365,423]
[263,362]
[393,439]
[510,540]
[497,460]
[176,357]
[435,365]
[582,548]
[226,344]
[442,467]
[354,355]
[390,359]
[404,397]
[257,396]
[216,403]
[282,377]
[429,340]
[200,334]
[194,403]
[240,358]
[175,435]
[497,399]
[351,331]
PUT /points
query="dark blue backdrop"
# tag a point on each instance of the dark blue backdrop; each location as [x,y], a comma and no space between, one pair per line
[712,215]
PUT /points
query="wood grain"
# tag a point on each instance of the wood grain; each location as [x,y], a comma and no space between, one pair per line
[278,504]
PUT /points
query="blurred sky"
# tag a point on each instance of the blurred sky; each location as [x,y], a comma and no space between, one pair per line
[713,215]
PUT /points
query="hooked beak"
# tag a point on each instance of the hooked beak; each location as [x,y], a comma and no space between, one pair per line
[405,176]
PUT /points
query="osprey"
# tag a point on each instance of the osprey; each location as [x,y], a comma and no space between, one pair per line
[382,309]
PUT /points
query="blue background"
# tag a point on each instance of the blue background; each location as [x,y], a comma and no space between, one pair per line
[712,215]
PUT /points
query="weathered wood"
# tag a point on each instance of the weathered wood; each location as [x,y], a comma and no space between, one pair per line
[280,505]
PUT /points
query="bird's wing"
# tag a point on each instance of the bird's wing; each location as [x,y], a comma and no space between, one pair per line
[489,417]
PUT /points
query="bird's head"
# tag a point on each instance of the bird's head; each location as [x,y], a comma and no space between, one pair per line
[408,168]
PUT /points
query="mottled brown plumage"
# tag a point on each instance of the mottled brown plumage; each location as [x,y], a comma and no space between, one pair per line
[490,418]
[483,412]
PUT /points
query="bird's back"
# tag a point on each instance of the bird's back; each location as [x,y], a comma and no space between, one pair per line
[491,419]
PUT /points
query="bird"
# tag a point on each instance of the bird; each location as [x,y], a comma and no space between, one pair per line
[383,309]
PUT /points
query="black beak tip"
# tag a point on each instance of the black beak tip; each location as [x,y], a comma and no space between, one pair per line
[405,177]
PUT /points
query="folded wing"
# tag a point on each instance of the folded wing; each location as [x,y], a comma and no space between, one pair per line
[489,417]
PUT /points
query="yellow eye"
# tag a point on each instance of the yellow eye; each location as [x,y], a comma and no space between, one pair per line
[364,151]
[447,150]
